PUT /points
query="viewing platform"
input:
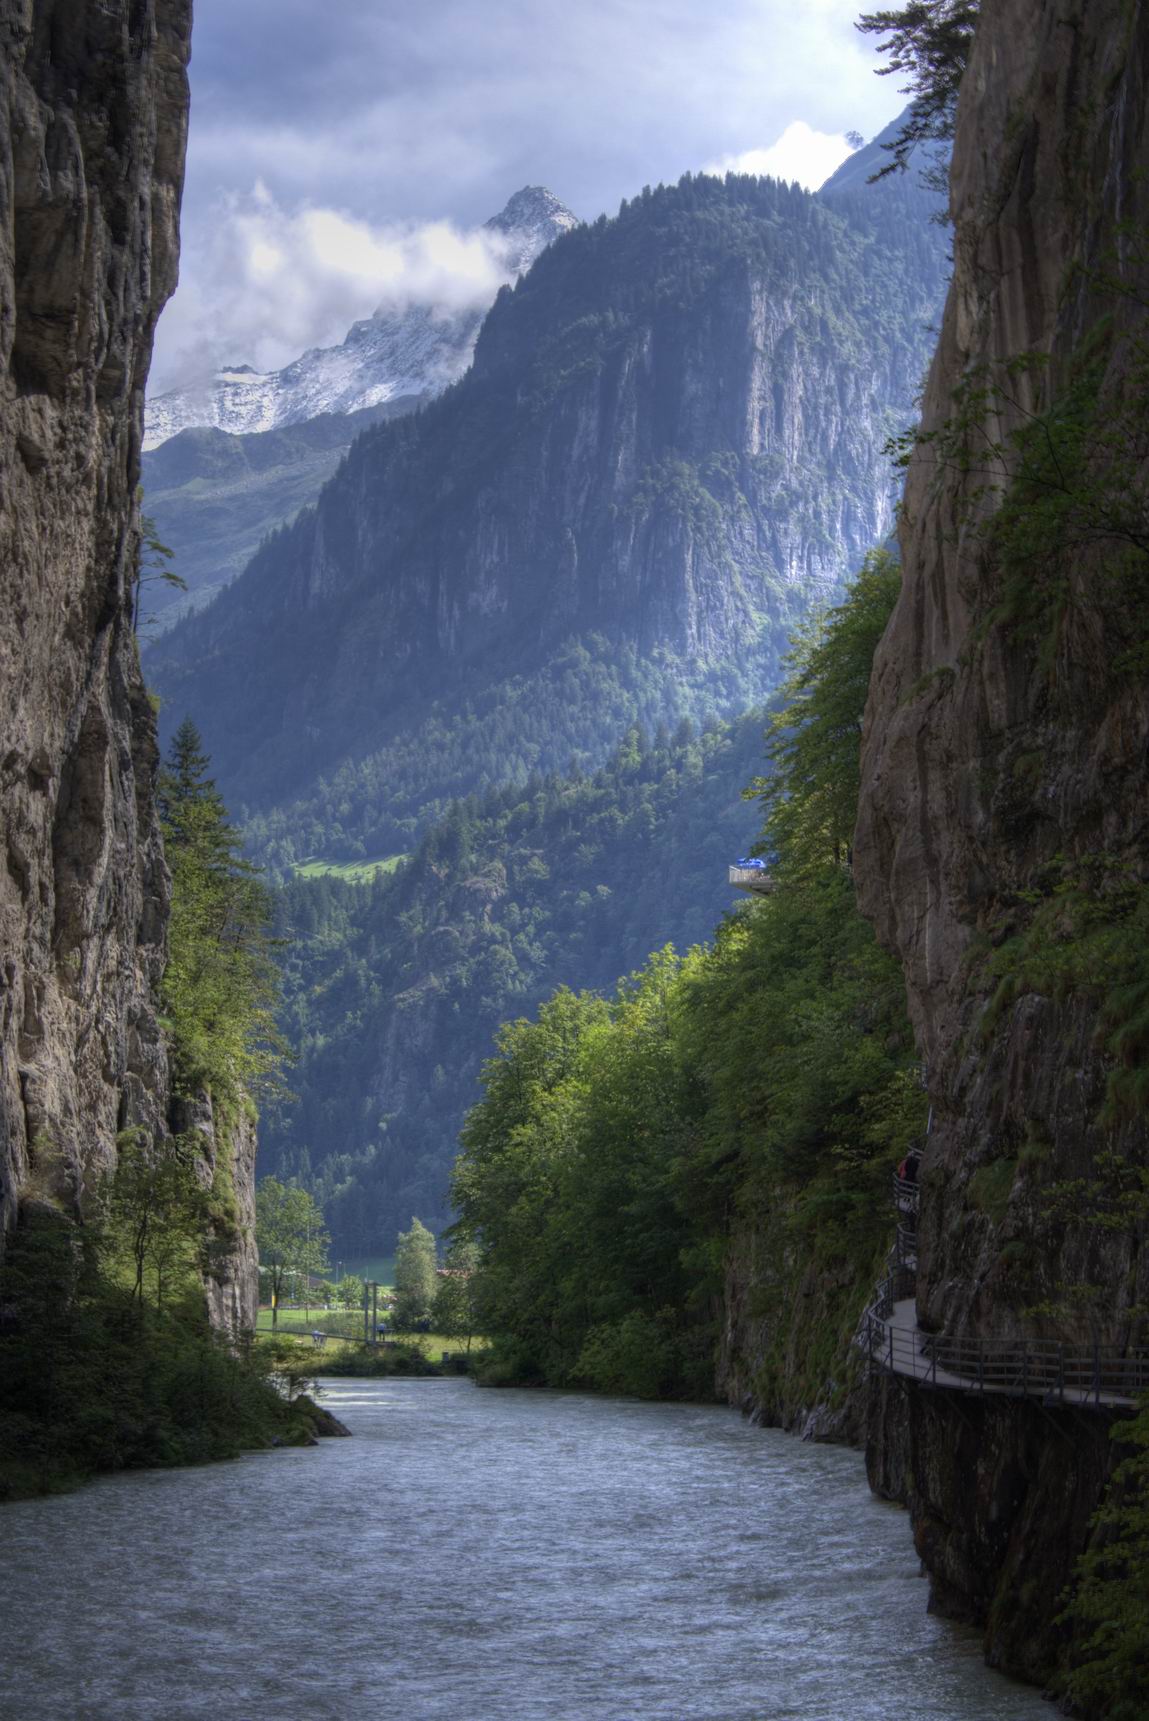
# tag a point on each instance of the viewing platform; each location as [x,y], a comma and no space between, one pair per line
[753,875]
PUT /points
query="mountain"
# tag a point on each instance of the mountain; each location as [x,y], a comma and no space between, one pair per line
[382,358]
[668,447]
[214,497]
[395,989]
[225,466]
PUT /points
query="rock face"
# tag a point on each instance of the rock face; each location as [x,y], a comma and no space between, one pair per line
[992,753]
[670,437]
[93,111]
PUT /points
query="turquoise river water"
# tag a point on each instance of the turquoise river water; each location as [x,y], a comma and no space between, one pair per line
[487,1556]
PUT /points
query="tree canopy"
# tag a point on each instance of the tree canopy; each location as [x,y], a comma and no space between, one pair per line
[415,1276]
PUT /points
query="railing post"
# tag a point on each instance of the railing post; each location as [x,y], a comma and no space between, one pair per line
[1061,1372]
[891,1331]
[1024,1368]
[980,1368]
[1096,1373]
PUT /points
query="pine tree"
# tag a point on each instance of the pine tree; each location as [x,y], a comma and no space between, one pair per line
[220,985]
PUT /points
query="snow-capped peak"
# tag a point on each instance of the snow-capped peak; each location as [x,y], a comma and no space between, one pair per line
[417,351]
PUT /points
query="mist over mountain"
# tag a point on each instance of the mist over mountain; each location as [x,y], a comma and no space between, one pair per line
[668,447]
[412,351]
[226,464]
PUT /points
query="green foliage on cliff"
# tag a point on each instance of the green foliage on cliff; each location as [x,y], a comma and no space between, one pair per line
[98,1373]
[107,1358]
[1109,1614]
[766,1080]
[811,794]
[928,42]
[1081,929]
[219,986]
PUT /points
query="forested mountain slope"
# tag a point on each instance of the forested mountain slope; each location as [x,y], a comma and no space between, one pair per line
[670,442]
[395,989]
[214,496]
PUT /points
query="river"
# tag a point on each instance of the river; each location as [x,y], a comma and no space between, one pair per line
[487,1556]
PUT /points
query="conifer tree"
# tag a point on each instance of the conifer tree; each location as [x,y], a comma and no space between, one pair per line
[220,985]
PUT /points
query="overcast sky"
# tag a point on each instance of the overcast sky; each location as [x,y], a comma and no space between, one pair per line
[327,136]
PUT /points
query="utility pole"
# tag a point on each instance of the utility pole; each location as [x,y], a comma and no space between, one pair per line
[374,1312]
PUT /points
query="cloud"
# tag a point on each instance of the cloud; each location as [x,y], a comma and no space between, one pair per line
[393,116]
[273,281]
[801,153]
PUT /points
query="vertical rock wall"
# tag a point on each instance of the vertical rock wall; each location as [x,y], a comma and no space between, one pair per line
[991,750]
[93,122]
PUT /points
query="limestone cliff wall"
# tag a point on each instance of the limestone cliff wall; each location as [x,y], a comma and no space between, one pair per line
[990,750]
[93,119]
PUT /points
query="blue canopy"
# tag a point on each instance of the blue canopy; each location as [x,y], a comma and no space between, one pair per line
[753,861]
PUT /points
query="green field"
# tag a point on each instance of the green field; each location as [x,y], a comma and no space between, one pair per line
[295,1321]
[357,872]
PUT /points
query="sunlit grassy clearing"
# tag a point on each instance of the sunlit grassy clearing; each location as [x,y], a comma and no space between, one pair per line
[357,872]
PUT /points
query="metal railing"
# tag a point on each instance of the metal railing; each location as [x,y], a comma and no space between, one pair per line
[905,1252]
[1028,1368]
[1046,1369]
[756,879]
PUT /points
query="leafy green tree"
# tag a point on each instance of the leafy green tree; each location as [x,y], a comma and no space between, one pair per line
[350,1291]
[290,1235]
[415,1276]
[770,1077]
[152,567]
[156,1211]
[810,797]
[454,1313]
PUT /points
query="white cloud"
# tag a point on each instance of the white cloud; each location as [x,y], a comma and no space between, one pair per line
[271,281]
[801,153]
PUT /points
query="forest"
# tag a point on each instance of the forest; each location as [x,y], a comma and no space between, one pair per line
[764,1083]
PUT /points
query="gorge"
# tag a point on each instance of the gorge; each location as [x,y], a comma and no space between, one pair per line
[490,711]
